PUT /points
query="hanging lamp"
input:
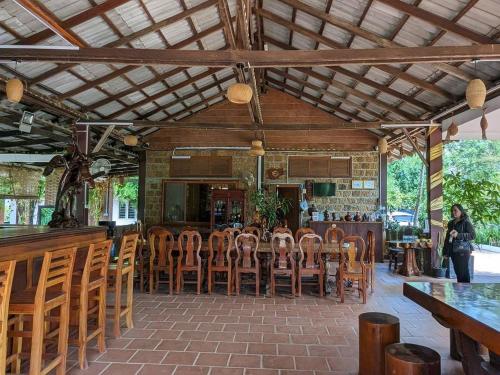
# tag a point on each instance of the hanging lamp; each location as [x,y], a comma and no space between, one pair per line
[14,90]
[382,146]
[239,93]
[484,126]
[257,149]
[130,140]
[475,93]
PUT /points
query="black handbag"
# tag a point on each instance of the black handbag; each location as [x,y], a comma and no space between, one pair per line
[461,247]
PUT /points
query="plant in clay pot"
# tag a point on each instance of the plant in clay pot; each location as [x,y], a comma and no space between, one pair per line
[270,208]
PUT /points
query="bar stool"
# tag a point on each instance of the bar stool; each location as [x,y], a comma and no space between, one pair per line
[376,331]
[219,259]
[161,244]
[120,273]
[91,285]
[52,292]
[247,261]
[6,278]
[189,244]
[411,359]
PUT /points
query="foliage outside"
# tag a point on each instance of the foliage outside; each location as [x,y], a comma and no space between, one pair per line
[128,190]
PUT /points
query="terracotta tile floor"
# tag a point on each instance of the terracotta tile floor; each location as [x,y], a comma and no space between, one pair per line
[217,334]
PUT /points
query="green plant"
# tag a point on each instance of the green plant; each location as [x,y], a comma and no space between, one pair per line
[268,205]
[96,200]
[128,191]
[488,234]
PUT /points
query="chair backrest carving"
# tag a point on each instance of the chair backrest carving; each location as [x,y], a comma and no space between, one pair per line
[370,247]
[161,243]
[310,247]
[352,251]
[247,246]
[189,244]
[128,248]
[219,247]
[233,231]
[253,230]
[282,245]
[96,264]
[282,230]
[301,231]
[334,234]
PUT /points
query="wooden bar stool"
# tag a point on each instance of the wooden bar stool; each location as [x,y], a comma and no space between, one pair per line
[310,262]
[161,244]
[189,245]
[6,278]
[376,331]
[282,260]
[52,292]
[247,262]
[91,285]
[411,359]
[122,273]
[220,245]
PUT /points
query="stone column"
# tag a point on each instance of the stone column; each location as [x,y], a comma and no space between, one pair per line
[435,184]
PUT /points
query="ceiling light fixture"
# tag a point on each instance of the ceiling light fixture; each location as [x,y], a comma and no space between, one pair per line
[257,149]
[239,93]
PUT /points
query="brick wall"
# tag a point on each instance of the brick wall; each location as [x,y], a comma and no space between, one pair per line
[365,165]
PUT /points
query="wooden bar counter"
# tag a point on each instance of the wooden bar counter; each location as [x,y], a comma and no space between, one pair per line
[28,243]
[359,228]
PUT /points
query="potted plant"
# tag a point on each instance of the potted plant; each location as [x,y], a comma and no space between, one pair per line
[269,207]
[439,270]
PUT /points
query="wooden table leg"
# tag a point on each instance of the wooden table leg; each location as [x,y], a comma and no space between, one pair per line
[409,266]
[472,362]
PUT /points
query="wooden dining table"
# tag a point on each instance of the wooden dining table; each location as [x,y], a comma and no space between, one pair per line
[409,267]
[472,310]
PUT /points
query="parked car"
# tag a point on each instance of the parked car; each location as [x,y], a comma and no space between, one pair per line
[402,218]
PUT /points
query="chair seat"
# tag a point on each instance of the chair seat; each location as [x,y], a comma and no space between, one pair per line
[24,302]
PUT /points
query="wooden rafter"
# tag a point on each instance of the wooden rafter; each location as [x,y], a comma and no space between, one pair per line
[264,59]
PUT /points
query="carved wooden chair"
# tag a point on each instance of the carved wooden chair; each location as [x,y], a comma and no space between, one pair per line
[51,293]
[247,262]
[234,232]
[161,243]
[6,278]
[90,284]
[282,260]
[189,245]
[121,274]
[282,230]
[370,259]
[252,230]
[220,245]
[334,234]
[310,262]
[352,267]
[301,231]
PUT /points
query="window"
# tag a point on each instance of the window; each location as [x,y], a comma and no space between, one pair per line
[127,210]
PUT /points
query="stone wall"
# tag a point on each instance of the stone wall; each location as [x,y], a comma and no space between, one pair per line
[365,165]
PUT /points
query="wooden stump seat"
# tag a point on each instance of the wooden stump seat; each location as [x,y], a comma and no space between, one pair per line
[376,331]
[411,359]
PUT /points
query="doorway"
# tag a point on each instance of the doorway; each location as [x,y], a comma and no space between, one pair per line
[292,193]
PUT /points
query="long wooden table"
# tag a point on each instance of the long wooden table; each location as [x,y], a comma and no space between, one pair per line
[471,309]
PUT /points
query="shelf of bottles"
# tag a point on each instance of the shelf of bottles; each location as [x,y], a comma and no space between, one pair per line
[227,209]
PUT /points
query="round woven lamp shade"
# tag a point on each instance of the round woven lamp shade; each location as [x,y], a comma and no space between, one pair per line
[130,140]
[14,90]
[475,93]
[257,149]
[239,93]
[382,145]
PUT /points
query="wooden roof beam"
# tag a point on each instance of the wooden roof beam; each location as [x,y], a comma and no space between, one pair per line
[440,22]
[225,58]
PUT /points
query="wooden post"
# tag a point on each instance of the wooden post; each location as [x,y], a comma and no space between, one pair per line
[435,185]
[141,199]
[383,180]
[82,140]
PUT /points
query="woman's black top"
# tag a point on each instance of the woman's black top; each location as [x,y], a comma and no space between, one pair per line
[465,233]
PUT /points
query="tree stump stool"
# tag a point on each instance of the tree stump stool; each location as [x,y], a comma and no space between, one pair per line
[376,331]
[411,359]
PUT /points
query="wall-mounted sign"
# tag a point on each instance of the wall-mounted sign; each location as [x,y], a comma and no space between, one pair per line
[275,173]
[357,184]
[369,184]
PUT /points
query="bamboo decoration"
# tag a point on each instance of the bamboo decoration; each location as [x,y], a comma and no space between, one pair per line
[475,93]
[484,126]
[452,130]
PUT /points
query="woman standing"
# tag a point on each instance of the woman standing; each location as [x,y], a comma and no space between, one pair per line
[457,244]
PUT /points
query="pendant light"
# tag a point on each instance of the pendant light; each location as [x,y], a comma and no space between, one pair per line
[14,89]
[130,140]
[257,149]
[475,94]
[484,126]
[452,130]
[239,93]
[382,146]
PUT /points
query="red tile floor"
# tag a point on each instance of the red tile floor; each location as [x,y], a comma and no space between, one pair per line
[218,335]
